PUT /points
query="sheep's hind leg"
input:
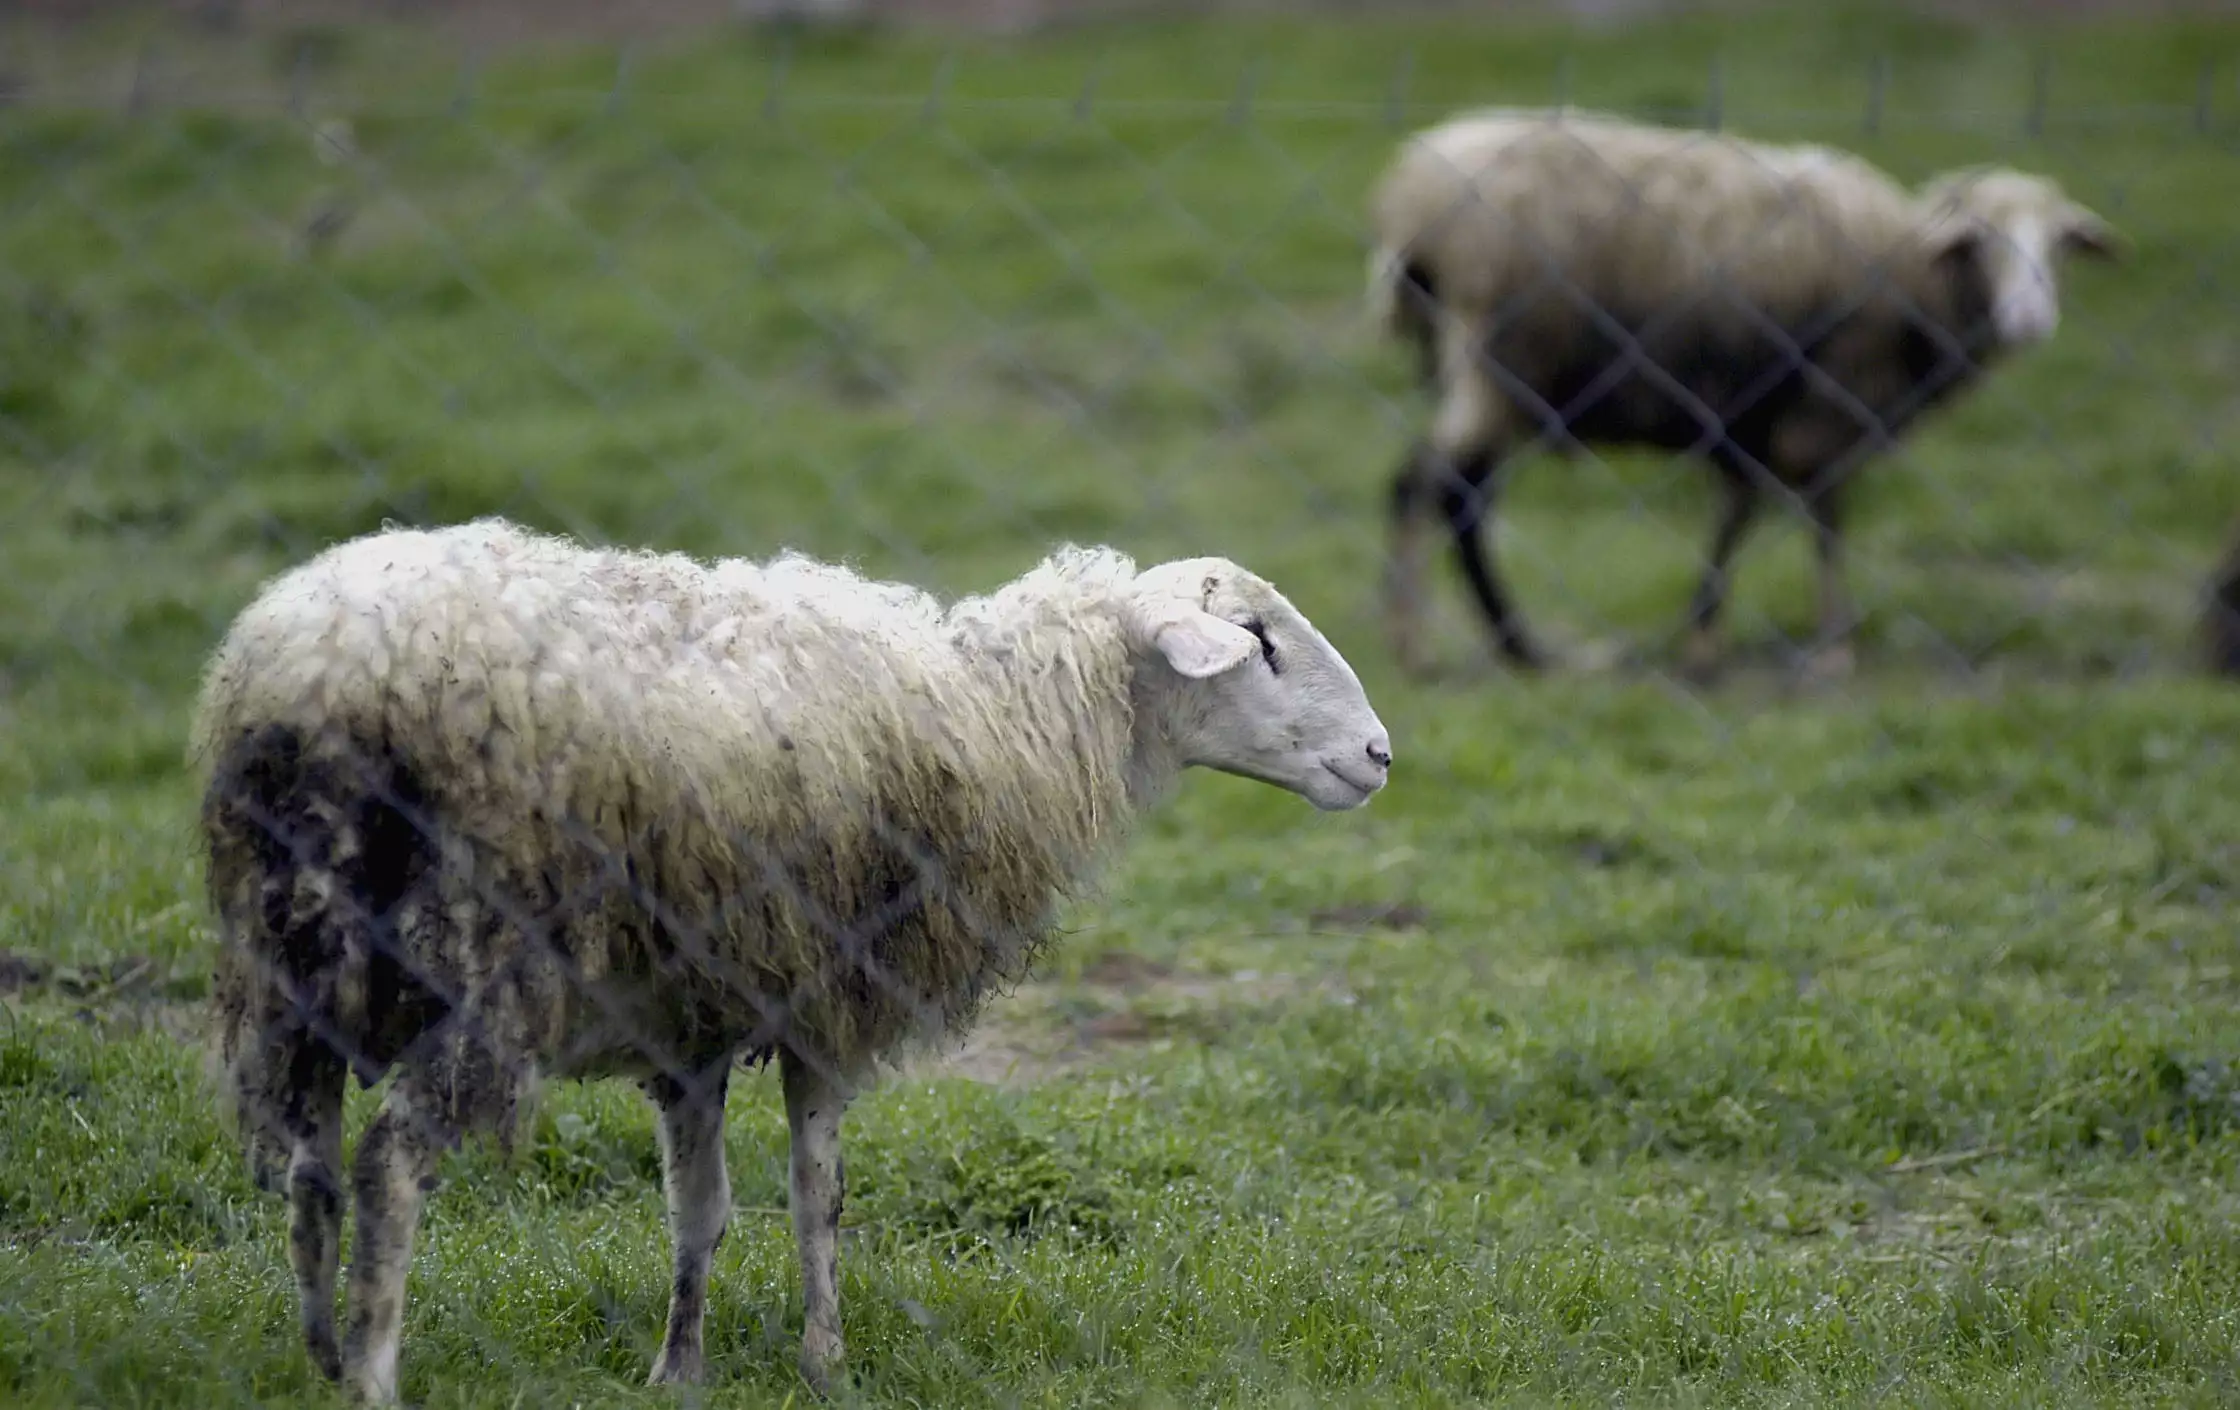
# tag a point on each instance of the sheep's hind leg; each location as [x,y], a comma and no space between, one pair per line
[814,1103]
[1699,651]
[315,1198]
[396,1167]
[1466,496]
[1408,516]
[699,1198]
[1468,442]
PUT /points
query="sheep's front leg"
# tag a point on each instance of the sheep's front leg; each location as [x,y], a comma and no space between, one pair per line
[396,1168]
[814,1103]
[1831,653]
[1699,653]
[1817,451]
[1467,498]
[699,1196]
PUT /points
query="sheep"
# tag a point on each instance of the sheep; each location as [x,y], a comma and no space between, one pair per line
[483,805]
[1780,311]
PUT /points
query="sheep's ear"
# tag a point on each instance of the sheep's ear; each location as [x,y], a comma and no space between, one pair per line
[2085,233]
[1953,236]
[1199,644]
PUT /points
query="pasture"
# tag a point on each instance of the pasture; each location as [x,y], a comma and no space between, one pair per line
[1750,1046]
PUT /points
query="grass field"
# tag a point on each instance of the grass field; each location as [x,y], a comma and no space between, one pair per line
[1738,1048]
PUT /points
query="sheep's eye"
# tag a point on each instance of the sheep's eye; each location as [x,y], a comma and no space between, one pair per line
[1259,629]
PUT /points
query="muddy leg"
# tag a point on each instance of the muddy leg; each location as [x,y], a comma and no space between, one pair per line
[1466,497]
[1451,467]
[1699,653]
[315,1199]
[699,1196]
[813,1108]
[1412,498]
[396,1168]
[1831,653]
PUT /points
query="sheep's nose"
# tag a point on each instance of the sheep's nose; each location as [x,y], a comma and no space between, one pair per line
[1380,754]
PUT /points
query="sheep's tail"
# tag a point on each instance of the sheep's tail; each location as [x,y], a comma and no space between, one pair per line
[1388,275]
[312,845]
[1403,302]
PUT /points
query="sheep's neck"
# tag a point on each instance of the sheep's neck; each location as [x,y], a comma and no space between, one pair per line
[1153,766]
[1155,760]
[1067,691]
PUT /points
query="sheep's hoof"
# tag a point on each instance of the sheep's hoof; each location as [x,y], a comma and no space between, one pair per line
[677,1368]
[1830,664]
[1415,663]
[1527,659]
[821,1355]
[1600,657]
[325,1354]
[1701,661]
[370,1377]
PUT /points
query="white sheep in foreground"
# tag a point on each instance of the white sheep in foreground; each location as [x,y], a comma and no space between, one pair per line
[486,804]
[1782,311]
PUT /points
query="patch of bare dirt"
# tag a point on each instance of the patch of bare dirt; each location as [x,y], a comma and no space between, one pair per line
[1371,915]
[123,979]
[1117,969]
[126,995]
[1122,1002]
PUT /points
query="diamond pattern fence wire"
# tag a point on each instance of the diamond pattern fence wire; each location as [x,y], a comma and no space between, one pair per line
[936,336]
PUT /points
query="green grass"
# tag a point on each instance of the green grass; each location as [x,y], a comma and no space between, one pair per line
[1751,1048]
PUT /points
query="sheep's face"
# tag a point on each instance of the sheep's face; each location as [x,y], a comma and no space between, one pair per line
[1235,679]
[2020,226]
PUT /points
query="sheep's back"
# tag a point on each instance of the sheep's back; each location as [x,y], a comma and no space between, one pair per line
[522,674]
[1642,220]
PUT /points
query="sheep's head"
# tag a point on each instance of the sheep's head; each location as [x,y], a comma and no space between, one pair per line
[1232,677]
[2020,226]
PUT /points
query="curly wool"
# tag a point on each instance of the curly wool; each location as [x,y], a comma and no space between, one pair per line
[1496,201]
[658,806]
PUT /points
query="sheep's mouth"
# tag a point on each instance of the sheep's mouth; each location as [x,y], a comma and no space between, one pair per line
[1354,783]
[1304,787]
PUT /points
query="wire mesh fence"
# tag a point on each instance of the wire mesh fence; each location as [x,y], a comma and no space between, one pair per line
[864,269]
[933,332]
